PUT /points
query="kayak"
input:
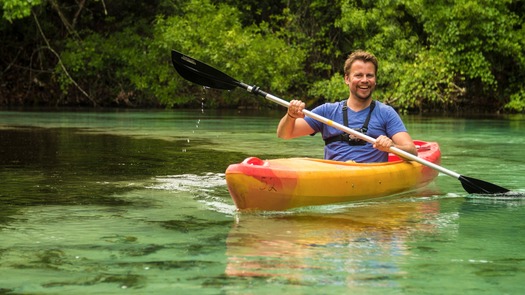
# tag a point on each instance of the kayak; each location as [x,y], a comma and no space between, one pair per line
[281,184]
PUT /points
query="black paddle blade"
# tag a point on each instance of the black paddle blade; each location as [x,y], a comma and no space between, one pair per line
[201,73]
[476,186]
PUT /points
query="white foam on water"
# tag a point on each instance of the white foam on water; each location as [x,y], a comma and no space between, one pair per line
[190,182]
[207,188]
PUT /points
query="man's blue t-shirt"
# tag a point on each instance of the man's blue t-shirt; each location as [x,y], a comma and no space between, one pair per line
[384,120]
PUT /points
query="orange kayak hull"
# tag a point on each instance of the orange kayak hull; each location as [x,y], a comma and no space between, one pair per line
[281,184]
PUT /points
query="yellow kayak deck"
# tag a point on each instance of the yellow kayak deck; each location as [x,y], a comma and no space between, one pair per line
[281,184]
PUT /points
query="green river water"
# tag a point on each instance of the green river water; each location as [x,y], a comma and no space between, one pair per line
[135,202]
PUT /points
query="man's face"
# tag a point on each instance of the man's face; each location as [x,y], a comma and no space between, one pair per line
[362,79]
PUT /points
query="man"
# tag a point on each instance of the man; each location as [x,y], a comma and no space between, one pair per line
[373,118]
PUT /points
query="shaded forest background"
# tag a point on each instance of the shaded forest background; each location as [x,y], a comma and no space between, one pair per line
[439,55]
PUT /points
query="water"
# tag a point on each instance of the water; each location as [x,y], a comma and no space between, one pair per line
[135,202]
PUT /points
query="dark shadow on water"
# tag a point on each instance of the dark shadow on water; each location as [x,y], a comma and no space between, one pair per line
[61,166]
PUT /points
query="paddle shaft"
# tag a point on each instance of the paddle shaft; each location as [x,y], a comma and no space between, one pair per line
[346,129]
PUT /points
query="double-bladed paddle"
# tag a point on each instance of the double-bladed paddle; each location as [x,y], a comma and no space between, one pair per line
[205,75]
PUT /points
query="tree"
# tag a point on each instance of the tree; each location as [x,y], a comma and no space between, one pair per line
[214,34]
[17,9]
[459,53]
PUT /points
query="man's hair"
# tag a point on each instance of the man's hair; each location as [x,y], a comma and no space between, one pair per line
[362,56]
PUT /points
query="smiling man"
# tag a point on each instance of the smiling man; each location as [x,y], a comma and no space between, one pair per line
[359,112]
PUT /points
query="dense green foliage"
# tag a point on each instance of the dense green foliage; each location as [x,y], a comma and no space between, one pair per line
[449,55]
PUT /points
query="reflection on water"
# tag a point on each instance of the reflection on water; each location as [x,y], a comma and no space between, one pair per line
[361,247]
[136,202]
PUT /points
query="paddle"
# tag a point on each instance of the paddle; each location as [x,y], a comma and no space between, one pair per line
[205,75]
